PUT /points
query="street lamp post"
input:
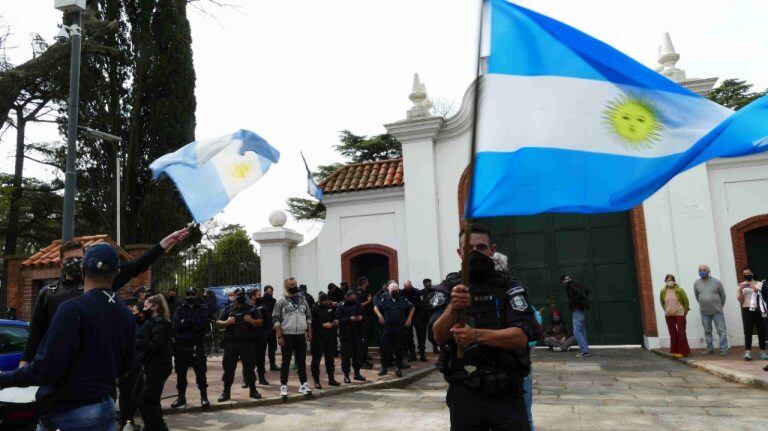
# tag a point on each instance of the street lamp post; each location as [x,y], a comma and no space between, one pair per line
[106,137]
[76,7]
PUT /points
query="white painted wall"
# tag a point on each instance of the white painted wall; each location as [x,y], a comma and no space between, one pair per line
[355,218]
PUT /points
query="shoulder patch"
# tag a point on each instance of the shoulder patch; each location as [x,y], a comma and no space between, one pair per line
[518,303]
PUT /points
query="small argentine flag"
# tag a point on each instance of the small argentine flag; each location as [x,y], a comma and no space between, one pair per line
[210,173]
[312,188]
[568,124]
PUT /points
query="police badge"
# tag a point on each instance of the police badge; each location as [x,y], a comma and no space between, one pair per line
[437,299]
[518,303]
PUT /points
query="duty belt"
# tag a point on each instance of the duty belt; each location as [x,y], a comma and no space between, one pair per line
[488,381]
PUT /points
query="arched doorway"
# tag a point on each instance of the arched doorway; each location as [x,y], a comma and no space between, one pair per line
[607,252]
[750,245]
[375,261]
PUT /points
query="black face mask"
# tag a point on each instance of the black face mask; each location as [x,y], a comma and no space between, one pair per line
[480,266]
[192,300]
[267,295]
[292,290]
[240,299]
[749,277]
[394,294]
[147,314]
[73,268]
[258,301]
[170,299]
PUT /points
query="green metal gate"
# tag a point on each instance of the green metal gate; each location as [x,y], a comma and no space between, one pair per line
[596,250]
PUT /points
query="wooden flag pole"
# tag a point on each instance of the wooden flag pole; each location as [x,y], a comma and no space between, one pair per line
[466,246]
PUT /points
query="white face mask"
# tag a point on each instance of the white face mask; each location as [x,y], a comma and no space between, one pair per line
[671,283]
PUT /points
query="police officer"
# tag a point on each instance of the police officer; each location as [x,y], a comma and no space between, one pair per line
[430,296]
[395,315]
[71,285]
[410,294]
[155,349]
[262,335]
[190,322]
[365,299]
[130,385]
[240,322]
[324,324]
[89,345]
[351,317]
[335,295]
[486,383]
[306,295]
[269,302]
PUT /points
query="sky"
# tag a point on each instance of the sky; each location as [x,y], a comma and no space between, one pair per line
[298,72]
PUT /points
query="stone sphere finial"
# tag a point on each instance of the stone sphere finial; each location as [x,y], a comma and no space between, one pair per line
[278,218]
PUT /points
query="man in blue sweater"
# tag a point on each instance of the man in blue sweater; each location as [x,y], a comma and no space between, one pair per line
[89,344]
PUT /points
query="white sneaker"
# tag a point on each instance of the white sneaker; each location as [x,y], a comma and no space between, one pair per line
[283,391]
[129,426]
[304,389]
[747,355]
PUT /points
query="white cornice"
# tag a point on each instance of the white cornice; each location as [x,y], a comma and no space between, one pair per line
[365,196]
[415,130]
[461,122]
[738,162]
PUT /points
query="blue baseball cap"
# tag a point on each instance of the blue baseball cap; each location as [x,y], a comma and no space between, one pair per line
[101,259]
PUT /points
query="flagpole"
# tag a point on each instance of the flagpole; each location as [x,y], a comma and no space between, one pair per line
[466,247]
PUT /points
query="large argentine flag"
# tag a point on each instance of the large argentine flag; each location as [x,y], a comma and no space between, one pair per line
[210,173]
[569,124]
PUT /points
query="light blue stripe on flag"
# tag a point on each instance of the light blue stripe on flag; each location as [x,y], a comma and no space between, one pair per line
[569,124]
[312,188]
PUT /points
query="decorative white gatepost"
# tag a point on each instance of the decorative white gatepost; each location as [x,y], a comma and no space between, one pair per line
[276,243]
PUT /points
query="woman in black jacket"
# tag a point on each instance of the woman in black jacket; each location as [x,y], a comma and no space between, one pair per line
[155,351]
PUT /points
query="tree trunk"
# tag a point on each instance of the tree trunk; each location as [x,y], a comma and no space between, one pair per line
[14,204]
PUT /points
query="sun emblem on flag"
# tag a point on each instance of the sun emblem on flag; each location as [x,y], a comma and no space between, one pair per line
[241,170]
[634,121]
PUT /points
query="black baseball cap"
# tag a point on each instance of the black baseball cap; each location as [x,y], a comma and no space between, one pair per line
[101,258]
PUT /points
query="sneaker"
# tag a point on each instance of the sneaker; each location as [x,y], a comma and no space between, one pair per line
[724,352]
[583,355]
[283,391]
[556,349]
[304,389]
[398,372]
[764,355]
[130,426]
[747,355]
[708,352]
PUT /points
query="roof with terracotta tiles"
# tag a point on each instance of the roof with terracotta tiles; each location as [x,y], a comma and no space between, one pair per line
[357,177]
[49,256]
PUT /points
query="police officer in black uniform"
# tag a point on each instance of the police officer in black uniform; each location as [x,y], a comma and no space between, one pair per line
[190,323]
[351,319]
[420,320]
[240,322]
[262,335]
[431,298]
[485,389]
[269,302]
[395,316]
[324,324]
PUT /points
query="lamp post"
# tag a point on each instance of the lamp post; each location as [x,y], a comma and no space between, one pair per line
[106,137]
[74,32]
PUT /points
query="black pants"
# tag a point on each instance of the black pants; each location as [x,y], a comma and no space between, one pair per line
[155,376]
[127,386]
[186,355]
[420,323]
[234,350]
[471,411]
[366,326]
[351,350]
[392,345]
[431,336]
[323,346]
[272,347]
[295,345]
[750,319]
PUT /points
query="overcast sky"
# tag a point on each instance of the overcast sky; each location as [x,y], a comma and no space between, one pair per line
[298,72]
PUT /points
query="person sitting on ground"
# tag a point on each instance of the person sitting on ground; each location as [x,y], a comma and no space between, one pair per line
[559,338]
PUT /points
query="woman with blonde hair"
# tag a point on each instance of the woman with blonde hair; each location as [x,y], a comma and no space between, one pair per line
[155,351]
[674,301]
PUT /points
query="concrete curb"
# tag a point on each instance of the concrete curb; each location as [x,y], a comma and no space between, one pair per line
[723,373]
[294,398]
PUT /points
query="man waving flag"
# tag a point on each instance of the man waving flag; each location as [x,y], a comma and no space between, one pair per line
[210,173]
[568,124]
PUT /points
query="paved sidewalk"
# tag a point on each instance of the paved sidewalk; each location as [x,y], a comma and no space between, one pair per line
[240,395]
[732,367]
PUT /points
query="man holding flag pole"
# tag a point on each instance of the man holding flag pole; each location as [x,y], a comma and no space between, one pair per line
[566,124]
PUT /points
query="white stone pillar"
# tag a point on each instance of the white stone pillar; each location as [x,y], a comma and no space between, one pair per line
[276,243]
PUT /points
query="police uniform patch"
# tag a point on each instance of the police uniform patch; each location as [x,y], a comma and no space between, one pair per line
[518,303]
[438,299]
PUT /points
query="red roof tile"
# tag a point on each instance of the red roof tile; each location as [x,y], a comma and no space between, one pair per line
[49,256]
[365,176]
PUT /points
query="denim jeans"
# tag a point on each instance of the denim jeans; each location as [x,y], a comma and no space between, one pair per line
[719,320]
[580,330]
[93,417]
[528,388]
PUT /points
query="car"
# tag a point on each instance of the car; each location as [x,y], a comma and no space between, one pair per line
[17,407]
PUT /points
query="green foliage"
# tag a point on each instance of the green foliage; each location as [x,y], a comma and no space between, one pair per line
[734,94]
[40,213]
[306,209]
[358,148]
[232,261]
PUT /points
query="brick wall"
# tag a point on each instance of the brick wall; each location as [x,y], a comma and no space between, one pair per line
[737,239]
[346,261]
[143,279]
[27,292]
[14,281]
[643,268]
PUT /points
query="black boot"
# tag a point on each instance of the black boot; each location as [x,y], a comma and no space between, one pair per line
[317,384]
[272,365]
[359,377]
[180,402]
[333,382]
[253,393]
[412,357]
[244,385]
[225,396]
[403,365]
[263,380]
[346,378]
[204,398]
[383,371]
[399,372]
[423,357]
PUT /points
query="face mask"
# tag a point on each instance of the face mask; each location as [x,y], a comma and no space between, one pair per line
[170,299]
[73,268]
[268,295]
[703,274]
[258,300]
[240,299]
[292,290]
[480,265]
[749,277]
[192,299]
[147,314]
[671,283]
[394,294]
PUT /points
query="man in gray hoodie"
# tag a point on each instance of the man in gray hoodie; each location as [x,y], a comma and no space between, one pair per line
[293,325]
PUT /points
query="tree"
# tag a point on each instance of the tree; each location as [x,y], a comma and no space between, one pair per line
[232,261]
[39,209]
[734,94]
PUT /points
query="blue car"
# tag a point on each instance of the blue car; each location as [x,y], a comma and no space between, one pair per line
[13,338]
